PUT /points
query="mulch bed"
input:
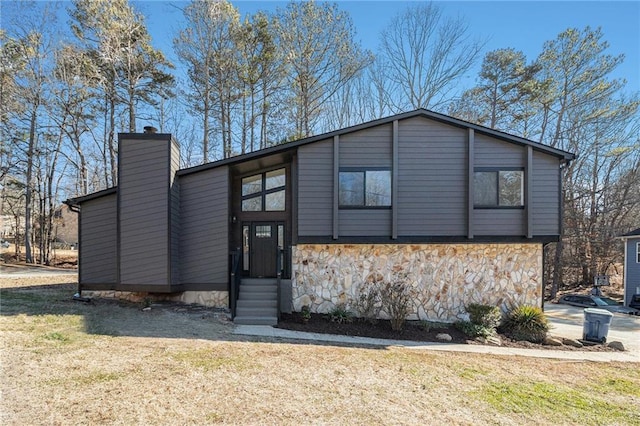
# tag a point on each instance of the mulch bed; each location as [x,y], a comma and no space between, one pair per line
[413,330]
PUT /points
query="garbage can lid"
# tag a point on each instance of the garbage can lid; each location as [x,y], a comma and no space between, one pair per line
[596,311]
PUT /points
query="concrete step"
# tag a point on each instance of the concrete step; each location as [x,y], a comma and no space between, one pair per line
[258,281]
[248,303]
[249,288]
[258,296]
[256,312]
[254,320]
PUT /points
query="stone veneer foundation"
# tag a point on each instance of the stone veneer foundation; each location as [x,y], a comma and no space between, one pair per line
[443,277]
[212,299]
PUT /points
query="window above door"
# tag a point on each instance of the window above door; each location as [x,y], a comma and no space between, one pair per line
[264,191]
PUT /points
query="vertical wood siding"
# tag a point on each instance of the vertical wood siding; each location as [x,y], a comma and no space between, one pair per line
[432,187]
[143,188]
[204,238]
[315,189]
[545,194]
[98,250]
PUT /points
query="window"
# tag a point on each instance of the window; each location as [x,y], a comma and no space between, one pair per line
[365,188]
[498,188]
[637,252]
[264,192]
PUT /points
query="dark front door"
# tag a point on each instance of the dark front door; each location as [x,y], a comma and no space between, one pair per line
[264,249]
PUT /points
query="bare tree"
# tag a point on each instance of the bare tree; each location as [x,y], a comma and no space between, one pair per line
[425,54]
[322,58]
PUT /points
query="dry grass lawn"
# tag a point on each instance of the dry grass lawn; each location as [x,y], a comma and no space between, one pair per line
[65,362]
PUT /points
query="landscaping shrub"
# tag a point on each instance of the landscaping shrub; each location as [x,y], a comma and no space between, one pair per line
[340,314]
[485,315]
[396,299]
[484,319]
[474,330]
[368,304]
[526,323]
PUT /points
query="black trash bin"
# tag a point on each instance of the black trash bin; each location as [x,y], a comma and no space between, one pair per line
[596,324]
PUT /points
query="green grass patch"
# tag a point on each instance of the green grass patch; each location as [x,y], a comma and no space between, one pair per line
[548,400]
[56,336]
[624,387]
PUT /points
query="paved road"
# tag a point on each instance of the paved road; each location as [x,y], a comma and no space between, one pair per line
[8,271]
[568,321]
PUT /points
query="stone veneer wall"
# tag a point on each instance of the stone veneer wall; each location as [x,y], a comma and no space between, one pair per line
[212,299]
[443,277]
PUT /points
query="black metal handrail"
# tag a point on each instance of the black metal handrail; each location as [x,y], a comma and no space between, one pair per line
[279,261]
[234,281]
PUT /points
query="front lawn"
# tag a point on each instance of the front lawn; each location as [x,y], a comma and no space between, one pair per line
[66,362]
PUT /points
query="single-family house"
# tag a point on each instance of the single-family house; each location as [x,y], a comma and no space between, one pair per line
[631,264]
[457,211]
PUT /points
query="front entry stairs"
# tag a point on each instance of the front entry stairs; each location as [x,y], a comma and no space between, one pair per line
[257,302]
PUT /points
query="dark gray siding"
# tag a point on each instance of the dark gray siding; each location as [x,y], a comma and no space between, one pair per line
[501,222]
[175,213]
[204,239]
[432,179]
[632,270]
[98,249]
[363,223]
[495,153]
[545,195]
[367,148]
[143,190]
[315,189]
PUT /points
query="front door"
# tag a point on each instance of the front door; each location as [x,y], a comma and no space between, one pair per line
[264,249]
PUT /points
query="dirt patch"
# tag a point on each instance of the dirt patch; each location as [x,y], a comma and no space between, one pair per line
[414,331]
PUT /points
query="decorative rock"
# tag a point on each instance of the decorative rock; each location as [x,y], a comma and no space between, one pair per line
[444,337]
[618,346]
[552,341]
[572,342]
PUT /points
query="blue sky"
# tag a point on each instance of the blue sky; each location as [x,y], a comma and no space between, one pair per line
[521,25]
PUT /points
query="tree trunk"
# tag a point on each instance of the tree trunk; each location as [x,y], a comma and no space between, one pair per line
[557,269]
[28,185]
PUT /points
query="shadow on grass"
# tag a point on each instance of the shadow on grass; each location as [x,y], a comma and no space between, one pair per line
[117,318]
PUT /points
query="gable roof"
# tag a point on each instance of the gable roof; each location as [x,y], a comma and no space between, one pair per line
[563,155]
[634,233]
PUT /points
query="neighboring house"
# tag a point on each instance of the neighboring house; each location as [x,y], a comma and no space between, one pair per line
[631,264]
[65,227]
[458,211]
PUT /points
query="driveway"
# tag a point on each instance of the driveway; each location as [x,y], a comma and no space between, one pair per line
[26,271]
[568,321]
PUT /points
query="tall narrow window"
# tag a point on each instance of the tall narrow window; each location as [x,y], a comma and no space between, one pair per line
[264,192]
[245,247]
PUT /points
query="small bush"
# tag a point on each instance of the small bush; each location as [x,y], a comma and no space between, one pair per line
[474,330]
[368,304]
[396,301]
[485,315]
[526,323]
[305,313]
[340,314]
